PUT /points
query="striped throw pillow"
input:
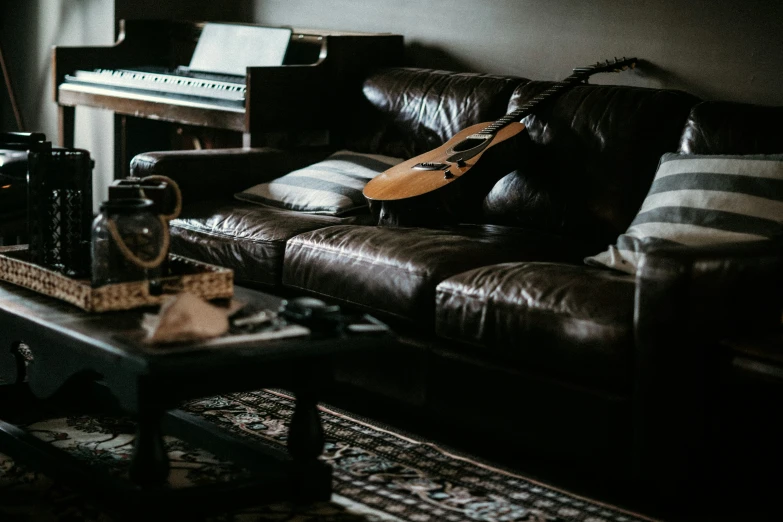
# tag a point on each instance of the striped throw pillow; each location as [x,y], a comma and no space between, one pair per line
[701,200]
[332,186]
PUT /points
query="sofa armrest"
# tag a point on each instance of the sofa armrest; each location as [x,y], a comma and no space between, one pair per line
[687,299]
[720,288]
[220,173]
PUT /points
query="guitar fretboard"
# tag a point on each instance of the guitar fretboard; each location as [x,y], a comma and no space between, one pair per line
[579,75]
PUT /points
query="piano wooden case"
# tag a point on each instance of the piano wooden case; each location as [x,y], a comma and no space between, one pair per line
[320,71]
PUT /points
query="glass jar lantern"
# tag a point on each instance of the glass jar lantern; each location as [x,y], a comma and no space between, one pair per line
[129,242]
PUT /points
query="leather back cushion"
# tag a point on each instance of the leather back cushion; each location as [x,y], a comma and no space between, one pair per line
[405,112]
[595,152]
[718,127]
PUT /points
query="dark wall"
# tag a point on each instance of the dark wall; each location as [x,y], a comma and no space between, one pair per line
[717,49]
[28,30]
[214,10]
[16,35]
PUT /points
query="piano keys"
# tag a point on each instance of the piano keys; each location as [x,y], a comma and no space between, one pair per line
[143,76]
[179,82]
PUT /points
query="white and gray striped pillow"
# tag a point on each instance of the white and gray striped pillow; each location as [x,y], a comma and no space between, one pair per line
[332,187]
[701,200]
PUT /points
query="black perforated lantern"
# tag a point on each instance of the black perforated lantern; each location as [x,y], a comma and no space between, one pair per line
[60,208]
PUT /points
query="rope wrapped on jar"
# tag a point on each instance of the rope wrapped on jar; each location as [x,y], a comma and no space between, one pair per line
[129,241]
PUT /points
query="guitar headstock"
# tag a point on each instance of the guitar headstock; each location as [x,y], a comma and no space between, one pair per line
[616,65]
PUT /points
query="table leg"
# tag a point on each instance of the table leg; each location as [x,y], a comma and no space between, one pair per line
[150,463]
[306,435]
[313,478]
[12,364]
[15,397]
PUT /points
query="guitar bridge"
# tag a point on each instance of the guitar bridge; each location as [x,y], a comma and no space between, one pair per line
[428,165]
[480,136]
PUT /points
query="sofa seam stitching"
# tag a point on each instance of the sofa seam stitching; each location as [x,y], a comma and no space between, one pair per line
[548,310]
[221,235]
[350,301]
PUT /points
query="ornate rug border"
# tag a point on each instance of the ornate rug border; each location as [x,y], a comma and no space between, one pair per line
[456,455]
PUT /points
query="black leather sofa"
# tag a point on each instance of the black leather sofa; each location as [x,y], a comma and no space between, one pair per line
[508,336]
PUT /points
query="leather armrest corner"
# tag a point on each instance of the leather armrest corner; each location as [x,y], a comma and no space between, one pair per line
[220,173]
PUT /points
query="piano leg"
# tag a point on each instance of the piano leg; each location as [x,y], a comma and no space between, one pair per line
[251,139]
[121,159]
[134,135]
[66,120]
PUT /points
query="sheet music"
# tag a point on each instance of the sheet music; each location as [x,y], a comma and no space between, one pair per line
[231,48]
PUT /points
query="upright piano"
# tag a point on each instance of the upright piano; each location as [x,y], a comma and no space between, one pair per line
[321,70]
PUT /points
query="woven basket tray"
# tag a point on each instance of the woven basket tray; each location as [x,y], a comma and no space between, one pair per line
[188,275]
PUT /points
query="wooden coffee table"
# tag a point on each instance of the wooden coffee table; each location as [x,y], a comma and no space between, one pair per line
[102,356]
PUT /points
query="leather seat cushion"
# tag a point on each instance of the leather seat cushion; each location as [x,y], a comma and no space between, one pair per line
[571,321]
[250,239]
[393,271]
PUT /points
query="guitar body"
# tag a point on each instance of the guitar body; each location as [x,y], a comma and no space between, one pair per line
[405,195]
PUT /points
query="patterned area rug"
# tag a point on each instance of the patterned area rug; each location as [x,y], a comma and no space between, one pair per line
[378,475]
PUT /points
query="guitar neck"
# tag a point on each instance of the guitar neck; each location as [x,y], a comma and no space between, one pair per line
[579,75]
[539,99]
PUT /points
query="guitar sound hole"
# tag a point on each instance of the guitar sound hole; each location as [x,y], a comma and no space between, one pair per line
[467,144]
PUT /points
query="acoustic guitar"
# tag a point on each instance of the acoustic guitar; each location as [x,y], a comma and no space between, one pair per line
[429,188]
